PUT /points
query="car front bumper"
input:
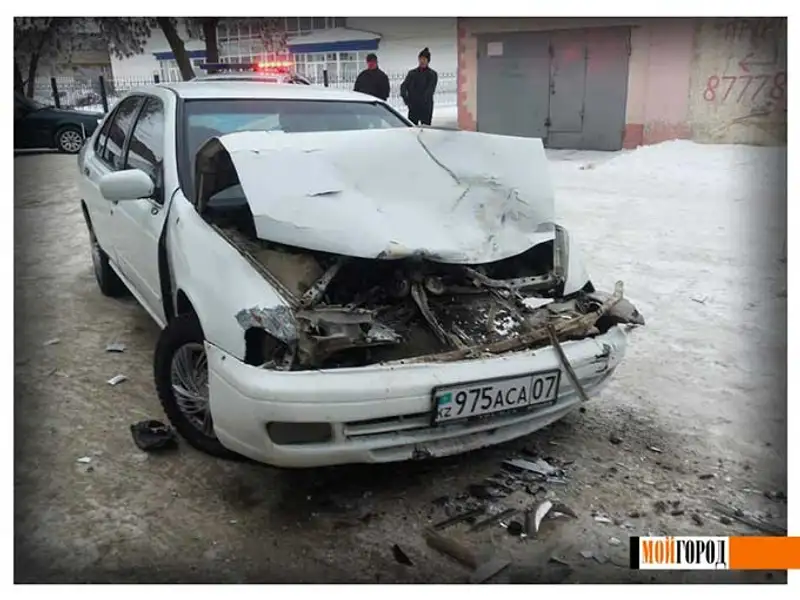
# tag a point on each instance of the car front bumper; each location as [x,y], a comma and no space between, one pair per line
[382,413]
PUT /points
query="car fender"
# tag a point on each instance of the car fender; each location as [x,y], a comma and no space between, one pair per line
[216,278]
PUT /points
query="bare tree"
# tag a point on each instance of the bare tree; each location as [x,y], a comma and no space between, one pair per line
[169,26]
[272,32]
[35,39]
[209,25]
[126,36]
[40,39]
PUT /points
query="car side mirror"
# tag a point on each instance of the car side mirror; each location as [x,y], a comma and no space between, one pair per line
[131,184]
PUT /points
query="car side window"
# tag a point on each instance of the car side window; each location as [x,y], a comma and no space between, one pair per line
[100,142]
[146,148]
[120,126]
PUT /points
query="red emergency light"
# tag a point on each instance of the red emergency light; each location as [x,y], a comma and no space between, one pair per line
[276,66]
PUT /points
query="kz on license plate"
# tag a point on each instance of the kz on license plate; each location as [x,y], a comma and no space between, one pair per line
[491,396]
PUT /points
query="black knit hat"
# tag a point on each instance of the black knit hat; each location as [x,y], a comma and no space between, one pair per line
[372,57]
[426,53]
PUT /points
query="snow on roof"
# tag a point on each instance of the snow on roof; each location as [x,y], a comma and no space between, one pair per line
[331,36]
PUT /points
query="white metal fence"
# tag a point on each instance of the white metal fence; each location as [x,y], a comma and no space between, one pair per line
[87,93]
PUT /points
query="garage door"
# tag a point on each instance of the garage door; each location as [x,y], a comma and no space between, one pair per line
[568,87]
[513,88]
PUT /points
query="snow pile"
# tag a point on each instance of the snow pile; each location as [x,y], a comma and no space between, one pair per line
[696,233]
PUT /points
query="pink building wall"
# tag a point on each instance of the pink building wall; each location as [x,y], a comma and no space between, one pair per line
[658,82]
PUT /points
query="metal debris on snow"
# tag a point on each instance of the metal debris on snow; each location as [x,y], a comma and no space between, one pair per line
[601,519]
[116,347]
[465,516]
[539,514]
[751,521]
[486,523]
[400,556]
[538,466]
[151,435]
[117,379]
[655,449]
[52,342]
[85,460]
[489,569]
[614,541]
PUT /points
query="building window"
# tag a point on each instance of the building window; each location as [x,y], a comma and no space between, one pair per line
[243,40]
[168,69]
[342,66]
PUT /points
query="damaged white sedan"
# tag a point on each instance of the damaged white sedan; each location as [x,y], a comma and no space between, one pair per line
[337,286]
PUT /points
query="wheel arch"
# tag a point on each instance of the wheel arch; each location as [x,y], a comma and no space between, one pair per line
[86,216]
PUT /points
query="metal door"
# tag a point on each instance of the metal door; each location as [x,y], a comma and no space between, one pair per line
[567,79]
[513,84]
[608,52]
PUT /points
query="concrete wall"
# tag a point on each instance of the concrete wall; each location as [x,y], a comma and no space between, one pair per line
[738,91]
[659,81]
[671,63]
[402,38]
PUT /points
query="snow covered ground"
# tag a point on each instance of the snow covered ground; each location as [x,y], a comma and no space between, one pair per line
[697,233]
[445,116]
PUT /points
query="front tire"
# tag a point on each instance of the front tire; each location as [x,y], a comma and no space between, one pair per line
[181,374]
[69,139]
[107,279]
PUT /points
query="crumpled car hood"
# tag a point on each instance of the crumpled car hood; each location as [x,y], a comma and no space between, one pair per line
[448,196]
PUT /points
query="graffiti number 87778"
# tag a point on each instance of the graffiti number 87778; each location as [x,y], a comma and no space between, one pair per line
[746,86]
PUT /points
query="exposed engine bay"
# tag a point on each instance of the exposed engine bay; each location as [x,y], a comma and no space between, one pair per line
[461,261]
[348,312]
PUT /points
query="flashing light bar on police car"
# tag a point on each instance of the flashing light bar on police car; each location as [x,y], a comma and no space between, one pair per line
[267,67]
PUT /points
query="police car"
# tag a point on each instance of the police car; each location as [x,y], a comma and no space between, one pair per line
[266,72]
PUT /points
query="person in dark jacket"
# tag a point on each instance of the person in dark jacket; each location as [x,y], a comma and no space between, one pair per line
[418,88]
[372,80]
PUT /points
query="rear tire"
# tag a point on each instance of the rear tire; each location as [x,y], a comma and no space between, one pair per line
[69,139]
[181,373]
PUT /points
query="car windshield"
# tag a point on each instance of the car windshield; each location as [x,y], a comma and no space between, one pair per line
[204,119]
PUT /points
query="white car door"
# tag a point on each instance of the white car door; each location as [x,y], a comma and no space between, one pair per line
[138,222]
[105,156]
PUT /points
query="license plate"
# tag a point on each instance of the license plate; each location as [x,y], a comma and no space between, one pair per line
[495,395]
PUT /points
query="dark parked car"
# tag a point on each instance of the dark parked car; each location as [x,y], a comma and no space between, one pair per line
[37,125]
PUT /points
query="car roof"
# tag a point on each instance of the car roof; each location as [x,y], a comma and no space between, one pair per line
[208,89]
[250,76]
